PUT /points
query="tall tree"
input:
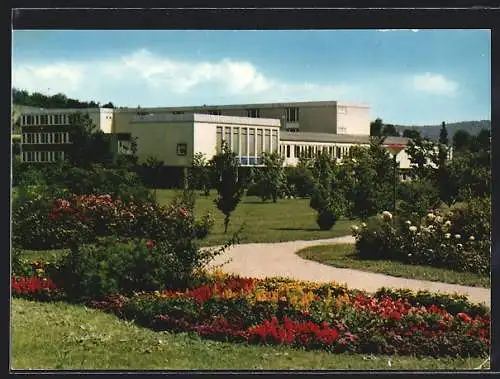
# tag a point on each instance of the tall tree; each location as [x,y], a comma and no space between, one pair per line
[443,134]
[153,167]
[376,127]
[200,174]
[227,183]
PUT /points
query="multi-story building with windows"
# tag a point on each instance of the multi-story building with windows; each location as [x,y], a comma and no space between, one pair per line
[175,134]
[45,133]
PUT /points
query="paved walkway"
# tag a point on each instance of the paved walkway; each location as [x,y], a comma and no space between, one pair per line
[260,260]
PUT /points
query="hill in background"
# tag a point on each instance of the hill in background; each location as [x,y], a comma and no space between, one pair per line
[432,131]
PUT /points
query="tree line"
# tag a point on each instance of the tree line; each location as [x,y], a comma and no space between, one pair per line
[59,100]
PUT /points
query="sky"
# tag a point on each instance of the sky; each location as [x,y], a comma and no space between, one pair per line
[407,77]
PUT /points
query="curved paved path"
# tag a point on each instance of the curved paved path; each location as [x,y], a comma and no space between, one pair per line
[260,260]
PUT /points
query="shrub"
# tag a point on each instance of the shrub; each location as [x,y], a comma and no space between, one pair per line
[327,218]
[417,198]
[431,242]
[299,181]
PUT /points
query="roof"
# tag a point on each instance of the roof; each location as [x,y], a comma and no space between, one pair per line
[335,138]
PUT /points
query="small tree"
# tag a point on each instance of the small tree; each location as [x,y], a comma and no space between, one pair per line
[200,176]
[272,178]
[326,198]
[376,127]
[229,188]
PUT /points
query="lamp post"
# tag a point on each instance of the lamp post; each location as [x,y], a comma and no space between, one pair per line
[395,148]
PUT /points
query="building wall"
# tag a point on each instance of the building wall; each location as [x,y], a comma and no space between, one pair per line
[353,119]
[321,119]
[160,140]
[204,139]
[106,120]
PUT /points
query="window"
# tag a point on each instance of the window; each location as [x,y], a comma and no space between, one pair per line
[338,155]
[57,137]
[175,112]
[251,142]
[218,138]
[44,119]
[43,138]
[182,149]
[288,151]
[267,140]
[254,113]
[215,112]
[244,141]
[342,109]
[292,114]
[260,141]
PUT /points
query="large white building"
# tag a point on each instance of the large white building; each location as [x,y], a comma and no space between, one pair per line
[174,135]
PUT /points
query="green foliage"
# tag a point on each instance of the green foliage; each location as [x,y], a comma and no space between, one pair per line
[438,240]
[326,198]
[229,188]
[88,145]
[36,99]
[418,196]
[421,151]
[461,140]
[470,175]
[300,181]
[376,127]
[199,177]
[271,178]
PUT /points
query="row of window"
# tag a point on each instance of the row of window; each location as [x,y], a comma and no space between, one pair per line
[310,151]
[292,114]
[42,156]
[43,138]
[45,119]
[247,141]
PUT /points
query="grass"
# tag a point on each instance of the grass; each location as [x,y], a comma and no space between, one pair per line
[344,256]
[63,336]
[286,220]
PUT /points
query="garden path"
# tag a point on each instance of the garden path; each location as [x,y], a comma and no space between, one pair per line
[260,260]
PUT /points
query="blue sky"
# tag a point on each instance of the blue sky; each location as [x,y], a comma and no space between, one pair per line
[412,77]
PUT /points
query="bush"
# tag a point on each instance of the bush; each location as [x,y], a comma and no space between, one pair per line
[431,242]
[327,219]
[299,181]
[417,198]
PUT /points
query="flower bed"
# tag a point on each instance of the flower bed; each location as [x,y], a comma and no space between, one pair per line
[313,316]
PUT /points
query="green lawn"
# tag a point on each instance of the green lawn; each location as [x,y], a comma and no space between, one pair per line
[63,336]
[343,255]
[286,220]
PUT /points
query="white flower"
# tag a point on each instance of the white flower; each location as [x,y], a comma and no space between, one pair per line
[413,228]
[459,245]
[408,222]
[431,216]
[457,236]
[443,245]
[387,216]
[363,224]
[447,235]
[409,255]
[439,219]
[472,238]
[353,160]
[447,223]
[355,229]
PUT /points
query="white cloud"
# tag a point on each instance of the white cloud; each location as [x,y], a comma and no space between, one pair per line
[145,75]
[434,83]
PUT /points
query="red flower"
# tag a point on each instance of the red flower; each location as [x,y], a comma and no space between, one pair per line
[150,244]
[464,317]
[183,212]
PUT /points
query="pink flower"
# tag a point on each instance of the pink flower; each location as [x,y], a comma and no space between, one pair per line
[183,212]
[150,244]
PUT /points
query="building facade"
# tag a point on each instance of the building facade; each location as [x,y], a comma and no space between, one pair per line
[45,133]
[174,135]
